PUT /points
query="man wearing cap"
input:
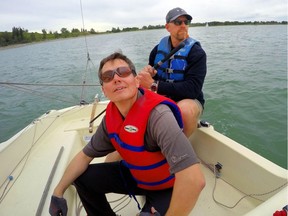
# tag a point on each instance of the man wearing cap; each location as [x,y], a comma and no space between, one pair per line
[181,78]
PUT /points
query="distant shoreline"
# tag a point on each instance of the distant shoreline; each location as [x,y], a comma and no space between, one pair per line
[14,46]
[69,35]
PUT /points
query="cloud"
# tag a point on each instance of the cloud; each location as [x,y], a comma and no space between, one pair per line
[103,15]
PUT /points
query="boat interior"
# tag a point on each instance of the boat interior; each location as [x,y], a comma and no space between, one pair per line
[238,181]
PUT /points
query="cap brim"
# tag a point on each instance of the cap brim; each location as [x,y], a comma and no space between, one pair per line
[175,17]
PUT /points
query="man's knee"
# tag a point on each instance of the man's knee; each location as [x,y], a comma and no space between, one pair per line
[190,108]
[113,156]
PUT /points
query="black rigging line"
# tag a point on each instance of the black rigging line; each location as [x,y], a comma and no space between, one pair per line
[20,86]
[24,88]
[35,92]
[88,55]
[83,25]
[45,84]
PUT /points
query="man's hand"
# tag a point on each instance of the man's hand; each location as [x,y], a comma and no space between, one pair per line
[58,206]
[145,76]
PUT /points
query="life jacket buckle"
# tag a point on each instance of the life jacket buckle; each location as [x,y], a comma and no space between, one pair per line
[169,70]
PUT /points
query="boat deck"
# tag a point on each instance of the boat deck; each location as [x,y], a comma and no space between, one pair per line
[124,205]
[225,194]
[31,157]
[205,205]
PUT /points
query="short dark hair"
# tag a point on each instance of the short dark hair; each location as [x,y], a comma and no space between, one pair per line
[113,56]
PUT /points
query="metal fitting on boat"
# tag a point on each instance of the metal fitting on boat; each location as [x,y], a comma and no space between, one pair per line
[204,123]
[218,168]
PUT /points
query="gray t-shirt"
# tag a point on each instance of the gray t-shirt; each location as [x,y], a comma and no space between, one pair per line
[162,133]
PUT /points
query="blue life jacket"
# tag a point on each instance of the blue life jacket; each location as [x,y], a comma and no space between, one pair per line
[173,69]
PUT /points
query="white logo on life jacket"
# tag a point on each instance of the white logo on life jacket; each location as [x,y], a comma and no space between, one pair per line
[131,129]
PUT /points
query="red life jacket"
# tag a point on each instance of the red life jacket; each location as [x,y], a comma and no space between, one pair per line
[149,169]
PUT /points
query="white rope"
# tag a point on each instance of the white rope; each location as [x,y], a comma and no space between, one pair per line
[125,197]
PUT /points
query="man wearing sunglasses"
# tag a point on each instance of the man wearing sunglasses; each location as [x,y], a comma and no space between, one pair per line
[181,78]
[158,159]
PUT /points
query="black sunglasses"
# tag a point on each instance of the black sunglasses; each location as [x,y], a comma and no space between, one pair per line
[179,22]
[108,76]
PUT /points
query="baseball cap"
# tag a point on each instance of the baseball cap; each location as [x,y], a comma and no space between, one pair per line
[175,13]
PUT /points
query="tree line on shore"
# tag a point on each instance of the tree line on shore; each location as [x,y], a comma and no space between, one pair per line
[20,35]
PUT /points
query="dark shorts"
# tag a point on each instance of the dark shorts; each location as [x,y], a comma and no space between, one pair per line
[102,178]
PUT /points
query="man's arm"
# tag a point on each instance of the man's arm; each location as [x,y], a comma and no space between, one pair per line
[187,187]
[76,167]
[165,133]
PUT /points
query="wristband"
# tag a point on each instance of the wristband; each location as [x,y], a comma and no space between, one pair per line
[154,86]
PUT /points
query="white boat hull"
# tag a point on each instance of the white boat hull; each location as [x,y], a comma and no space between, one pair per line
[36,157]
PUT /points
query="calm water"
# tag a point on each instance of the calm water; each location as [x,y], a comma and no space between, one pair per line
[245,88]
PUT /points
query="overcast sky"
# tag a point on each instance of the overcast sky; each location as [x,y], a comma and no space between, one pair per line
[102,15]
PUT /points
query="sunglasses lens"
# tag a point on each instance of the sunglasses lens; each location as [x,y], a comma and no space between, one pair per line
[107,76]
[179,22]
[123,71]
[187,22]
